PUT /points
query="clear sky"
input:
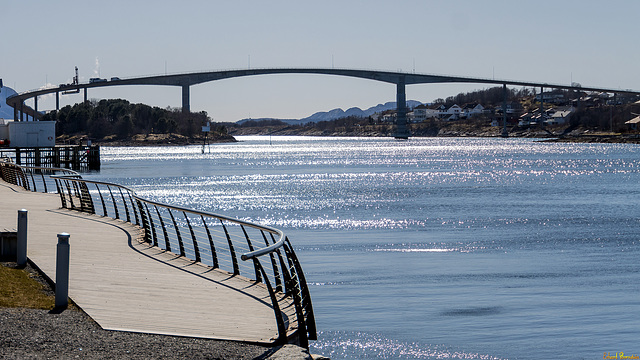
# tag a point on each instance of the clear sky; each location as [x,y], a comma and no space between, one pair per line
[594,43]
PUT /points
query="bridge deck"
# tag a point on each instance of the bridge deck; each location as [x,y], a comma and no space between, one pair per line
[125,284]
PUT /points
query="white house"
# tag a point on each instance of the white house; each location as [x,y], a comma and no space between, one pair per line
[453,113]
[420,113]
[551,96]
[471,110]
[560,115]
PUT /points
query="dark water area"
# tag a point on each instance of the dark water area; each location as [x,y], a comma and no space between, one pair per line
[455,248]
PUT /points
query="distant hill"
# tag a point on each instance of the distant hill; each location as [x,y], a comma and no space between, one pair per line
[339,113]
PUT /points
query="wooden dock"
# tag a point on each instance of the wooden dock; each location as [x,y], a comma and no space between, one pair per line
[125,284]
[75,157]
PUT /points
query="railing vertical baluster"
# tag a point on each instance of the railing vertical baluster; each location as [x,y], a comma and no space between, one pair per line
[145,225]
[234,259]
[104,206]
[70,195]
[255,261]
[85,197]
[167,244]
[304,289]
[175,226]
[293,286]
[193,237]
[124,202]
[113,199]
[148,214]
[214,255]
[76,191]
[282,332]
[35,188]
[63,200]
[135,213]
[23,178]
[44,182]
[276,273]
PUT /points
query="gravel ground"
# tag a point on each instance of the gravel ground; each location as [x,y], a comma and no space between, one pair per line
[43,334]
[29,333]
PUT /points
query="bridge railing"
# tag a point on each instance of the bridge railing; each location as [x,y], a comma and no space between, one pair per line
[259,253]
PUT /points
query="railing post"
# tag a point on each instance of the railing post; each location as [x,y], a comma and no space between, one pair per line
[44,182]
[22,238]
[149,218]
[193,238]
[167,244]
[115,206]
[63,199]
[175,227]
[124,202]
[232,251]
[62,271]
[104,206]
[212,246]
[282,330]
[255,261]
[276,273]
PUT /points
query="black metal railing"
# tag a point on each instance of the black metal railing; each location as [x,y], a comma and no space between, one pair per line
[260,253]
[32,178]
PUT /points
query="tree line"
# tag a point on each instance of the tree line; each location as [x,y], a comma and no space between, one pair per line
[122,119]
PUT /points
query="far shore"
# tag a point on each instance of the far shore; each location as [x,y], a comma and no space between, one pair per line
[180,140]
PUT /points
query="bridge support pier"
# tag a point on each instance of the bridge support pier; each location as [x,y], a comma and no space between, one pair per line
[402,131]
[57,100]
[35,107]
[185,99]
[505,133]
[85,94]
[542,104]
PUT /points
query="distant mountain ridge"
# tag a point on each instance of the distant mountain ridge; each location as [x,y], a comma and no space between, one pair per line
[339,113]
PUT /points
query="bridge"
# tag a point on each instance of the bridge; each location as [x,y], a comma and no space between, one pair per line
[186,80]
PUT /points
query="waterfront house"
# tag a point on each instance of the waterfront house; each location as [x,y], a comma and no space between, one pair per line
[559,116]
[633,123]
[453,113]
[555,96]
[420,113]
[471,110]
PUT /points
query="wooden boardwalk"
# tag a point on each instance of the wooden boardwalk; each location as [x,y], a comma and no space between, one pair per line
[125,284]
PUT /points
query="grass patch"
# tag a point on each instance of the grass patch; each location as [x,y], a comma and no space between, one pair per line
[19,289]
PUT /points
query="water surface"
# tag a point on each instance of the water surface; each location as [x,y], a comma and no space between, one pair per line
[433,248]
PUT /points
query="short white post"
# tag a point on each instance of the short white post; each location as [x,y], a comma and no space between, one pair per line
[21,253]
[62,271]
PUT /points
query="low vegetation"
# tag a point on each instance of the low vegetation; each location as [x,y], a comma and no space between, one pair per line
[20,289]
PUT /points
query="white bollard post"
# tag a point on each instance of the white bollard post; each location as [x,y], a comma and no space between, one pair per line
[21,253]
[62,271]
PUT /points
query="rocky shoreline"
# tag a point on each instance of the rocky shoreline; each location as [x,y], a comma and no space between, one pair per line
[558,135]
[148,140]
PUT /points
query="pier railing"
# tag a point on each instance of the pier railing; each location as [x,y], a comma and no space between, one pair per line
[32,178]
[259,253]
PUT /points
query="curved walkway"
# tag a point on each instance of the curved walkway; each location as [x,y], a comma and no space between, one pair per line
[124,284]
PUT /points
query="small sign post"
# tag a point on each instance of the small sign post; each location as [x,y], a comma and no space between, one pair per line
[205,130]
